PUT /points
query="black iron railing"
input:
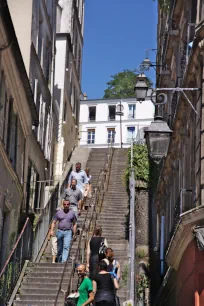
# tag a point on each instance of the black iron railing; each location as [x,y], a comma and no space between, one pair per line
[21,252]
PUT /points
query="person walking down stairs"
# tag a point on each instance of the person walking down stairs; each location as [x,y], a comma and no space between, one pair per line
[54,241]
[93,249]
[113,264]
[104,286]
[86,295]
[74,196]
[80,176]
[66,220]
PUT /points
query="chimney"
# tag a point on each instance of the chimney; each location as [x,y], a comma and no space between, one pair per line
[85,96]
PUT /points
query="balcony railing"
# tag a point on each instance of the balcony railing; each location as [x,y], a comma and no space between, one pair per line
[111,118]
[131,116]
[92,119]
[111,140]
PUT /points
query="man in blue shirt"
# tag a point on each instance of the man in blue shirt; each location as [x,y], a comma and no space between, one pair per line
[66,225]
[81,178]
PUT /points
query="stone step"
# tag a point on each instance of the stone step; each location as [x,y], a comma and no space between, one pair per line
[39,297]
[43,285]
[36,303]
[47,275]
[54,268]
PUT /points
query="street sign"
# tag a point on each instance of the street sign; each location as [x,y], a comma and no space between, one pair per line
[119,113]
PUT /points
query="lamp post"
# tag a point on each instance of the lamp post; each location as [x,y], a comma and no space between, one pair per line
[158,133]
[119,112]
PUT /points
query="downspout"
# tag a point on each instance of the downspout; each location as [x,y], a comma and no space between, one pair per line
[162,245]
[54,6]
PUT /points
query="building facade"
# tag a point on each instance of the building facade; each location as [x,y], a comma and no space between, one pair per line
[100,125]
[69,45]
[35,26]
[179,197]
[18,116]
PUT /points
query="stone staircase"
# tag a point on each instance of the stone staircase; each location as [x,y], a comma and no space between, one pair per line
[113,217]
[41,280]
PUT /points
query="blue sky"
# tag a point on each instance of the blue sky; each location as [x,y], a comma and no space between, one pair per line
[117,33]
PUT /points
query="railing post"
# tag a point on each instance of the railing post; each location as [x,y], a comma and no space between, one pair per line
[132,231]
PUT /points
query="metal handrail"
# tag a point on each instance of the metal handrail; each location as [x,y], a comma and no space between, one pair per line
[96,199]
[12,268]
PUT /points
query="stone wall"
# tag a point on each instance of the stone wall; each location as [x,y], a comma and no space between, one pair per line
[142,218]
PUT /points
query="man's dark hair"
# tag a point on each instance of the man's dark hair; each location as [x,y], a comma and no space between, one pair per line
[66,199]
[78,163]
[103,266]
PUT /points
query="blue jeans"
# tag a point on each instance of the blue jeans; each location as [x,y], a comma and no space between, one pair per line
[63,244]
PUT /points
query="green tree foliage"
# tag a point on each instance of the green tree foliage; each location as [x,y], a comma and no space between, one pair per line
[146,171]
[164,5]
[140,164]
[122,85]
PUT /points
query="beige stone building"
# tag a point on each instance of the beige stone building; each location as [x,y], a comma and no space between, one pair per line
[18,114]
[40,59]
[27,86]
[180,194]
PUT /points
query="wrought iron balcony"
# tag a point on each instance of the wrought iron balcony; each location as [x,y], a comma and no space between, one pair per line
[92,119]
[111,118]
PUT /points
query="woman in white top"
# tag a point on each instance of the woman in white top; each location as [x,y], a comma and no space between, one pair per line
[89,187]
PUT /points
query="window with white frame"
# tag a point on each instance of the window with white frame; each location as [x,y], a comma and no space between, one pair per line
[130,133]
[91,136]
[111,135]
[92,113]
[131,112]
[112,110]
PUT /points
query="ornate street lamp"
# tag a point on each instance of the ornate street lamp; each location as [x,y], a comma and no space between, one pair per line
[119,112]
[146,64]
[141,87]
[158,136]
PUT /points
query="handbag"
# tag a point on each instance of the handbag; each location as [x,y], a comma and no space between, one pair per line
[102,250]
[72,299]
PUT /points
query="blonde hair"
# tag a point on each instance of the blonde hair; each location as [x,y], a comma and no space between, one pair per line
[87,170]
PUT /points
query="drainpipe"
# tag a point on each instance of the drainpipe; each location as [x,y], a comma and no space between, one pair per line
[132,231]
[52,77]
[162,245]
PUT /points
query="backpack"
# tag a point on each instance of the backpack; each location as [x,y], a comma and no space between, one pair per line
[71,300]
[102,250]
[114,268]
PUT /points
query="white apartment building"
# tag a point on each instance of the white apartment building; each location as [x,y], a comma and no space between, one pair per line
[69,45]
[100,125]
